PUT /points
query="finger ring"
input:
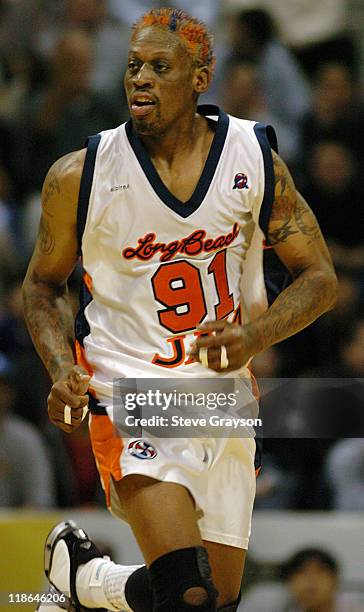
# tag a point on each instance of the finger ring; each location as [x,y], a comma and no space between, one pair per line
[67,418]
[224,361]
[84,412]
[202,355]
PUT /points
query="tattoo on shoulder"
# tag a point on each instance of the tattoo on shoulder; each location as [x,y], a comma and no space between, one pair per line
[62,168]
[290,213]
[46,240]
[306,221]
[51,187]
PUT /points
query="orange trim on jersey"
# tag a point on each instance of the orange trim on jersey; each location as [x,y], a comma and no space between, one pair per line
[107,447]
[255,386]
[88,281]
[81,360]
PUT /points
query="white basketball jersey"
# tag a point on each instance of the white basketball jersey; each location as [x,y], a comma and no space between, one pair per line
[157,268]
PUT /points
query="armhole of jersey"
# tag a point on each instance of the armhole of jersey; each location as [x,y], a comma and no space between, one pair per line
[276,275]
[267,139]
[92,144]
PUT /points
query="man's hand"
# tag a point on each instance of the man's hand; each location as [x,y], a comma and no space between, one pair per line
[239,343]
[70,390]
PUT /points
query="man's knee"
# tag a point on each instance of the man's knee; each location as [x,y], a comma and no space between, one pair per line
[181,581]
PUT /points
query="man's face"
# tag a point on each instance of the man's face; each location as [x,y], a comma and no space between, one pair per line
[160,81]
[313,585]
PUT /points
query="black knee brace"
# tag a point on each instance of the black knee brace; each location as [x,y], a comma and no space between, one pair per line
[181,581]
[138,591]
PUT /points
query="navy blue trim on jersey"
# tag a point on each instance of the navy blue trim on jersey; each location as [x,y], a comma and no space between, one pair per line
[82,328]
[92,144]
[184,209]
[276,275]
[95,407]
[258,459]
[267,140]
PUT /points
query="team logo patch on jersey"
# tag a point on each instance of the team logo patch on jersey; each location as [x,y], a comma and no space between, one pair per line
[241,181]
[142,449]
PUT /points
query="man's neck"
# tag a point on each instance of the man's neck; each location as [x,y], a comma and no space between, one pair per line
[180,139]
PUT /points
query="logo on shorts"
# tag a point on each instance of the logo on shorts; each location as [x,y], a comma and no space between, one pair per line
[241,181]
[142,449]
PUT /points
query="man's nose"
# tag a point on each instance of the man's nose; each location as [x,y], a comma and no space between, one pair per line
[144,76]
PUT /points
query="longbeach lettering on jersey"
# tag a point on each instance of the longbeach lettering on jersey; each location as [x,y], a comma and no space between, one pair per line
[194,244]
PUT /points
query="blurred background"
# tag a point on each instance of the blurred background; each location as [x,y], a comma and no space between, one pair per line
[298,65]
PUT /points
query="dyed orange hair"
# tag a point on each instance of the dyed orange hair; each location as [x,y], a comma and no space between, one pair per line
[192,32]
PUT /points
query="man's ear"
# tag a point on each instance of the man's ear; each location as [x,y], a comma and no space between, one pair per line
[202,78]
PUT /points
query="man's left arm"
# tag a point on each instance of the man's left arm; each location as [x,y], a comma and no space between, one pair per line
[294,234]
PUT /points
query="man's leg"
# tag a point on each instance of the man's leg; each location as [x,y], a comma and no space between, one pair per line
[163,518]
[161,514]
[227,564]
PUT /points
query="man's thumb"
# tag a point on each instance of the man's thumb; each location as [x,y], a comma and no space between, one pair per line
[79,380]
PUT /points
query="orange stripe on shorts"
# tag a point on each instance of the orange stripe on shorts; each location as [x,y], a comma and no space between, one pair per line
[88,281]
[107,447]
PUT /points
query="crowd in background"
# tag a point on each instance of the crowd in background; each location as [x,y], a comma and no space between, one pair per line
[61,74]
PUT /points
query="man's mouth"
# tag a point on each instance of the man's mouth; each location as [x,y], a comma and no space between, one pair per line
[142,106]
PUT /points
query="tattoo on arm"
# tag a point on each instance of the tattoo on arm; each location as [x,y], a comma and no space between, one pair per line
[313,290]
[47,308]
[51,188]
[46,240]
[290,214]
[306,221]
[309,296]
[281,234]
[50,322]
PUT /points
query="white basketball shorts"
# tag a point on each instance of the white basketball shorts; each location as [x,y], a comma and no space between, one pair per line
[218,472]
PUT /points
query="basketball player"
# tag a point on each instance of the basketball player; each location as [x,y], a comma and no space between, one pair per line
[169,212]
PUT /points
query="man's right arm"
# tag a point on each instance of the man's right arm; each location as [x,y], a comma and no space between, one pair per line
[47,308]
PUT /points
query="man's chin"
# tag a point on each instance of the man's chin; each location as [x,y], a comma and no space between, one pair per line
[146,128]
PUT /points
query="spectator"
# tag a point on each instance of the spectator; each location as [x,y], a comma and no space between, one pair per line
[317,31]
[129,11]
[32,380]
[66,112]
[25,471]
[336,115]
[9,260]
[109,39]
[352,351]
[311,584]
[325,339]
[344,467]
[243,96]
[335,194]
[312,579]
[286,92]
[276,486]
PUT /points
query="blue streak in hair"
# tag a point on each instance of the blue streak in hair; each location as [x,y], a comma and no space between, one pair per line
[173,21]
